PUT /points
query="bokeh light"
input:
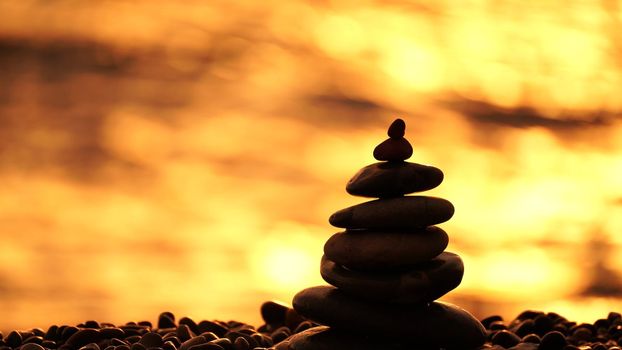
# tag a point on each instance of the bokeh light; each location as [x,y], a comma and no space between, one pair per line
[185,155]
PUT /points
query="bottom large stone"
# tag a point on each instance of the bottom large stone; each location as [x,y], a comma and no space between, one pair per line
[437,324]
[325,338]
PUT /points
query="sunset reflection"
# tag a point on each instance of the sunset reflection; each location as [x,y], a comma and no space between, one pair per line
[186,156]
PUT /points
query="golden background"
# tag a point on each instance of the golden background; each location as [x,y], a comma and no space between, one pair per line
[185,156]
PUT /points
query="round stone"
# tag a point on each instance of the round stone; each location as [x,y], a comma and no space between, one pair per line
[391,179]
[393,150]
[325,338]
[377,250]
[436,324]
[394,213]
[397,129]
[424,283]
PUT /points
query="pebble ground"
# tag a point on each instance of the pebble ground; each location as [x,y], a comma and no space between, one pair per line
[531,330]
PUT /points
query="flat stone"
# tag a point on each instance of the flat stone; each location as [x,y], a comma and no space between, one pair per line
[325,338]
[393,150]
[394,213]
[377,250]
[437,324]
[393,179]
[424,283]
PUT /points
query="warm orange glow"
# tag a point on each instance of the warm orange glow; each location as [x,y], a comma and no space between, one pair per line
[186,155]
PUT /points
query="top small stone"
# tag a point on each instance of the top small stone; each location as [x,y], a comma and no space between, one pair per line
[397,129]
[396,148]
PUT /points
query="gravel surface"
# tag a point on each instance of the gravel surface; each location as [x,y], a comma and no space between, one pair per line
[531,330]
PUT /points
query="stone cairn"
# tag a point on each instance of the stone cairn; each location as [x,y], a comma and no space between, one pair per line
[389,265]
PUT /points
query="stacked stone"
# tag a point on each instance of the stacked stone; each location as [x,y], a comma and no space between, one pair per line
[389,266]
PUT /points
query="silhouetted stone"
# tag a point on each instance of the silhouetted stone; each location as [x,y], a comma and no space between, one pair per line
[166,320]
[427,282]
[325,338]
[83,337]
[378,250]
[393,150]
[394,213]
[274,312]
[505,339]
[390,179]
[439,324]
[397,129]
[552,341]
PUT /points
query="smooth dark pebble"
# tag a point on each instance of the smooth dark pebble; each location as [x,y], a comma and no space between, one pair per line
[303,326]
[90,346]
[138,346]
[279,336]
[190,323]
[112,332]
[582,333]
[91,324]
[505,338]
[207,346]
[224,342]
[614,316]
[183,332]
[52,333]
[104,343]
[33,339]
[528,314]
[131,331]
[571,347]
[147,324]
[83,337]
[233,336]
[169,315]
[524,328]
[50,344]
[166,320]
[151,340]
[602,323]
[262,339]
[497,326]
[133,339]
[123,347]
[241,344]
[209,336]
[31,346]
[38,332]
[192,342]
[173,340]
[273,312]
[168,345]
[397,129]
[214,327]
[552,341]
[13,339]
[109,347]
[117,342]
[490,319]
[542,324]
[531,338]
